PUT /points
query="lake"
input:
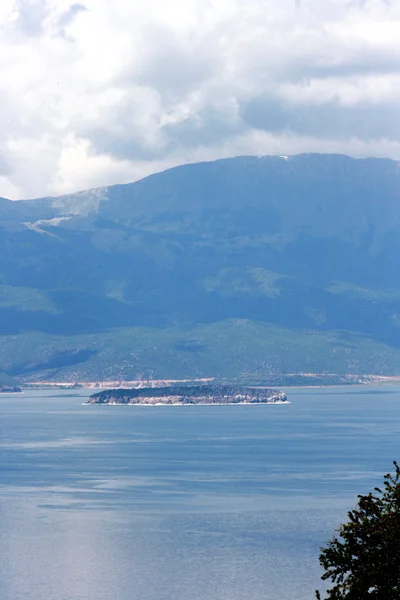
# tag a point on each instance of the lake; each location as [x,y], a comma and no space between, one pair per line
[183,503]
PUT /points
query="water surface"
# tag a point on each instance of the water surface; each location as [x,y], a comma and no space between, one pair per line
[183,503]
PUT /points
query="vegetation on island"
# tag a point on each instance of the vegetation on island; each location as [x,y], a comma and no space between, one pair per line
[9,389]
[184,394]
[363,561]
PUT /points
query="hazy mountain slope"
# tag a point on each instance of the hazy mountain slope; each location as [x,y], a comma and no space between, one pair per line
[306,243]
[234,348]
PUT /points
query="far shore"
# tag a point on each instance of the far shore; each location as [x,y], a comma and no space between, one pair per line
[343,380]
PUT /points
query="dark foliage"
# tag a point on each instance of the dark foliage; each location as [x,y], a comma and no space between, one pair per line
[363,562]
[213,393]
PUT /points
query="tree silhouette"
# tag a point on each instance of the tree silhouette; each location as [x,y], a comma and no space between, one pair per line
[363,561]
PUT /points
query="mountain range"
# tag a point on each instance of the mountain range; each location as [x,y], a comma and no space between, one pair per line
[244,268]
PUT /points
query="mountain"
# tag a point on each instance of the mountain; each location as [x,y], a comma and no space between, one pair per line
[246,267]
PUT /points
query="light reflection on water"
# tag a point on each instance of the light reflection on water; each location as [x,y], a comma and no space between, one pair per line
[193,503]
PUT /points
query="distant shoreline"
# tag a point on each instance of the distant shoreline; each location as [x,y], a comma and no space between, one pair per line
[301,380]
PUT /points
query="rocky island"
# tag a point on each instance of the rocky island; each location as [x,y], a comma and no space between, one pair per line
[185,395]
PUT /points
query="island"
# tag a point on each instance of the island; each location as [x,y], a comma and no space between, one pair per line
[10,389]
[189,395]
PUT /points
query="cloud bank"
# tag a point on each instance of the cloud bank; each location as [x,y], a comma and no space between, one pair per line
[98,91]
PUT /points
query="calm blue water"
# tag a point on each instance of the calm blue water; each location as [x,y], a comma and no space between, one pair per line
[183,503]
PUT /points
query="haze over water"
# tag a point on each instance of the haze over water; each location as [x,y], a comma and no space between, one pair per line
[183,503]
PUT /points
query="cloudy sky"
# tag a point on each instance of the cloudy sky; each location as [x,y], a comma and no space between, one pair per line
[96,92]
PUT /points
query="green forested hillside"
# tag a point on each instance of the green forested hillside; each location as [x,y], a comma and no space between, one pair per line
[238,268]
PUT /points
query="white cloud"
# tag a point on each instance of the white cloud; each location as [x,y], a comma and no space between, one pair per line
[95,92]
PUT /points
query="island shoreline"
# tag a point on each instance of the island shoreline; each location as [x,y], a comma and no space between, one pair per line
[197,395]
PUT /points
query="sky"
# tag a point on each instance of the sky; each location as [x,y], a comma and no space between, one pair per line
[97,92]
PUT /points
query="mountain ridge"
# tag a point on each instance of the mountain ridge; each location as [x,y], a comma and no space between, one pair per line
[307,244]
